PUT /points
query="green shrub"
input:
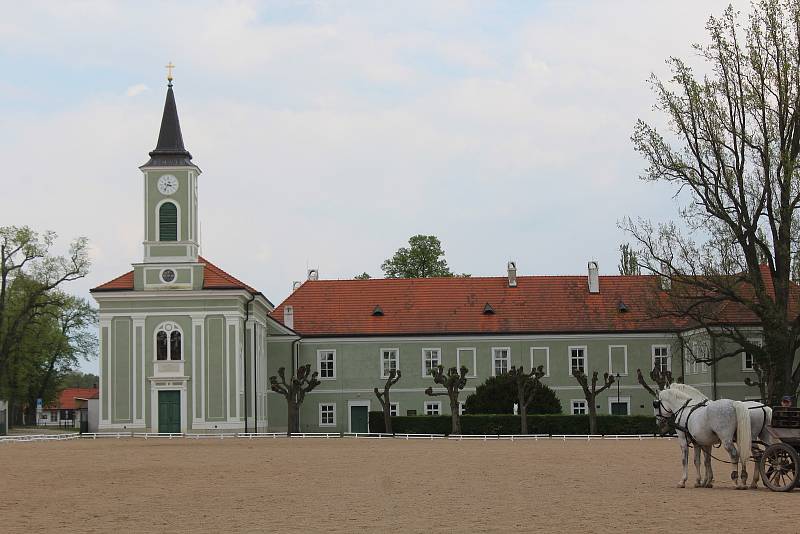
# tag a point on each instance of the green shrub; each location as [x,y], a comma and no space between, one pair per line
[498,394]
[509,424]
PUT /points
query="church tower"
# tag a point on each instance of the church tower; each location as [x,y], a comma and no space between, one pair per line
[171,233]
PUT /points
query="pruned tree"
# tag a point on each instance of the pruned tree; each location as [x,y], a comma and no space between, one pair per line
[663,380]
[760,383]
[733,152]
[453,381]
[590,392]
[294,391]
[383,398]
[526,383]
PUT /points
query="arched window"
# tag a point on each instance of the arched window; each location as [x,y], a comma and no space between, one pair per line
[168,342]
[168,222]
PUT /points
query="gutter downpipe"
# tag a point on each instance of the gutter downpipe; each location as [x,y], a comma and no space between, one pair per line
[246,318]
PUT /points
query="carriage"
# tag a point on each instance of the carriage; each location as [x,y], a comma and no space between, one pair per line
[779,463]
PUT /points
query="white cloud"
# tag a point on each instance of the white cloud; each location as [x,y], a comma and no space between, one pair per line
[137,89]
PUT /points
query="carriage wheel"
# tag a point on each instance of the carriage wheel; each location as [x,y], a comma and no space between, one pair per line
[780,467]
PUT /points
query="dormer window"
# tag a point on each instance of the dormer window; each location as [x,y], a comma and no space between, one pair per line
[488,310]
[622,307]
[377,312]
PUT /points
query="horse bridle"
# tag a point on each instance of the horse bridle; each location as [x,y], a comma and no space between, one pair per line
[672,420]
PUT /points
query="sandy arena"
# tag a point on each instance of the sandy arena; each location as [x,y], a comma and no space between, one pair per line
[347,485]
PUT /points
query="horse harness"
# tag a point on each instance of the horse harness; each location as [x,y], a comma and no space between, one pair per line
[672,420]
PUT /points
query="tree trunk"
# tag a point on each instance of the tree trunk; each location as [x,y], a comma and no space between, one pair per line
[523,418]
[456,419]
[293,419]
[592,416]
[387,416]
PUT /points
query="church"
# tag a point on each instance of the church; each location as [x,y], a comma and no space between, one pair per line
[187,347]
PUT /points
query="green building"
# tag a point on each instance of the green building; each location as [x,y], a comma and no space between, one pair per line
[187,347]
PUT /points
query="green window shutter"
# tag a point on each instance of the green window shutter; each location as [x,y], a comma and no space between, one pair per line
[168,222]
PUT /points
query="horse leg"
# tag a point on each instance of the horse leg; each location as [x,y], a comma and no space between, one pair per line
[709,471]
[754,484]
[685,462]
[734,454]
[698,482]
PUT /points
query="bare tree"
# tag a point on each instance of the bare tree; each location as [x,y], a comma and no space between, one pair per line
[383,398]
[526,390]
[733,154]
[453,381]
[590,392]
[294,391]
[663,380]
[760,383]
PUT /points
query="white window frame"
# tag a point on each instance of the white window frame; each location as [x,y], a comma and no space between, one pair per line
[755,341]
[473,371]
[158,220]
[572,404]
[585,358]
[653,355]
[699,367]
[611,369]
[396,358]
[320,352]
[460,407]
[394,406]
[613,399]
[546,360]
[437,404]
[438,351]
[173,327]
[495,358]
[331,405]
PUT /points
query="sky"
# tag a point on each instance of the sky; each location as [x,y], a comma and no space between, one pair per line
[330,132]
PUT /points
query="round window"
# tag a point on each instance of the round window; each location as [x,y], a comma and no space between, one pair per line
[168,275]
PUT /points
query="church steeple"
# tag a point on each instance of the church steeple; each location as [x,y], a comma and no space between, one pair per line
[169,151]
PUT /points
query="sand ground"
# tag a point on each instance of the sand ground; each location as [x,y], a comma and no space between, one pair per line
[347,485]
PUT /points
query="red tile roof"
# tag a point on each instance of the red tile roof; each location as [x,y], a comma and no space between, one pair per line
[539,304]
[213,278]
[67,398]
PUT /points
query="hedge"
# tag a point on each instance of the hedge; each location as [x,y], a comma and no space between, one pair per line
[509,424]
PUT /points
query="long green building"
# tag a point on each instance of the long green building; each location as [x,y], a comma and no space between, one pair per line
[187,347]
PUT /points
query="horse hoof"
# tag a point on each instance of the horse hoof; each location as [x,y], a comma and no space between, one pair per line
[698,485]
[741,487]
[710,485]
[681,484]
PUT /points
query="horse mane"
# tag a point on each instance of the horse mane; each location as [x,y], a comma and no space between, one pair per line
[692,391]
[676,395]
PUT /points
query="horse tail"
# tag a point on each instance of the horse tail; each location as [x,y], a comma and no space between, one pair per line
[767,421]
[744,439]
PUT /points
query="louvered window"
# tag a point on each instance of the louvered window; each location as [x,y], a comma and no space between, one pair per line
[168,222]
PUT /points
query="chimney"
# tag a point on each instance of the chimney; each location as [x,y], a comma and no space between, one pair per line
[288,316]
[295,285]
[313,274]
[594,278]
[512,274]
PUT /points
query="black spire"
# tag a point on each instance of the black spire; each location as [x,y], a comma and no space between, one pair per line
[169,150]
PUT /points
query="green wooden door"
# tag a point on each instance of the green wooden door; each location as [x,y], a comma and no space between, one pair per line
[359,419]
[169,412]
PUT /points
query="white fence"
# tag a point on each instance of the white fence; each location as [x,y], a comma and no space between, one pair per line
[329,435]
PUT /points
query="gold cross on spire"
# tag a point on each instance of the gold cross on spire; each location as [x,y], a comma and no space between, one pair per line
[169,66]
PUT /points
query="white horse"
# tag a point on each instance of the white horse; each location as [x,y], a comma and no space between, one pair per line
[705,424]
[760,417]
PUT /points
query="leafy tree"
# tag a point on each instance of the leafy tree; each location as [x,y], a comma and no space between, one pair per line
[628,262]
[383,398]
[590,393]
[732,150]
[453,382]
[424,258]
[78,379]
[498,394]
[294,391]
[363,276]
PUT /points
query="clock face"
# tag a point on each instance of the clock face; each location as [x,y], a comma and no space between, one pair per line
[167,184]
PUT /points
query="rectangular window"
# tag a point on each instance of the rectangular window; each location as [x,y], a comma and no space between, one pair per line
[460,408]
[389,360]
[394,409]
[578,407]
[326,364]
[619,405]
[661,360]
[433,407]
[577,359]
[541,356]
[431,359]
[327,415]
[618,359]
[466,357]
[748,358]
[699,351]
[501,360]
[411,412]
